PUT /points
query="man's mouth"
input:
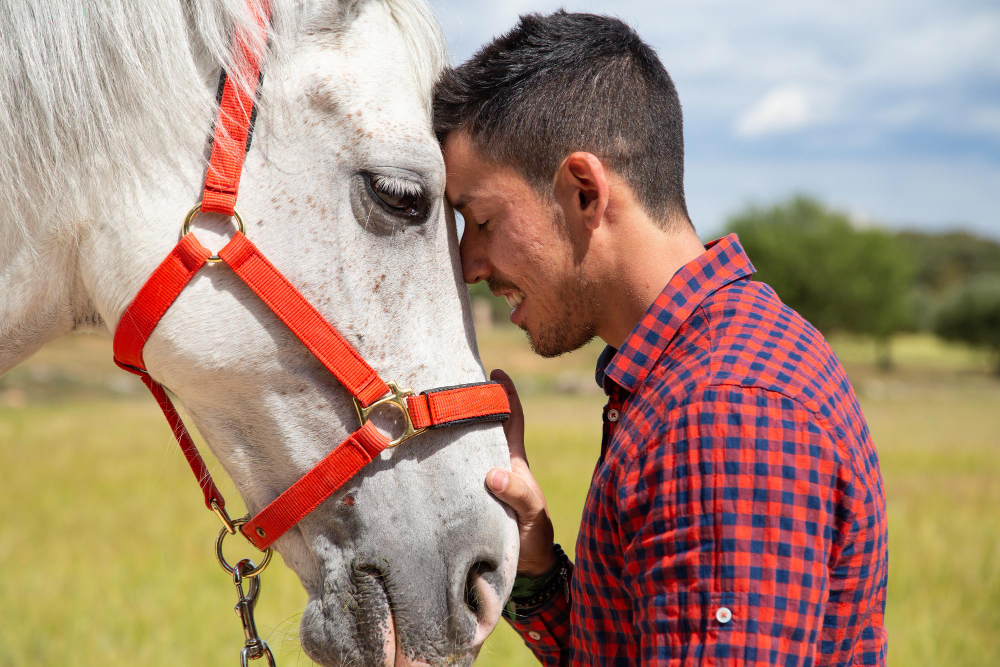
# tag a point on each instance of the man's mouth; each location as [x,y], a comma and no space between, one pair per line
[512,295]
[516,302]
[514,299]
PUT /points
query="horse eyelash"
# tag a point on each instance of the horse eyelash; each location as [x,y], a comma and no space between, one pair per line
[396,187]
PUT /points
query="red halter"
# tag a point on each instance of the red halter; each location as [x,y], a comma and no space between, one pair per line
[486,401]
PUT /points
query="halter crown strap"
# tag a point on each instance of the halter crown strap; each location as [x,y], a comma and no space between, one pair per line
[237,111]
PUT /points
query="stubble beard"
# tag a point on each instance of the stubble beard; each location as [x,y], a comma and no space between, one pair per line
[570,328]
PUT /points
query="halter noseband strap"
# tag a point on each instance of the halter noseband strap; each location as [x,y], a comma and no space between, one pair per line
[478,402]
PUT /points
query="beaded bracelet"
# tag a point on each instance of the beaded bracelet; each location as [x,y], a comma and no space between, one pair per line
[530,593]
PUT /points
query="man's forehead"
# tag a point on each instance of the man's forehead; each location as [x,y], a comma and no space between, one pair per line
[472,177]
[464,166]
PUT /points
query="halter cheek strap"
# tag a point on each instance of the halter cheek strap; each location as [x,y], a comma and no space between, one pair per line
[466,404]
[479,402]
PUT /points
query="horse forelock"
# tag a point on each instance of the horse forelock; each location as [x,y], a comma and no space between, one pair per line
[99,96]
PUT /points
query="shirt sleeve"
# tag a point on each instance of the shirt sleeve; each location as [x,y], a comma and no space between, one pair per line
[727,520]
[547,631]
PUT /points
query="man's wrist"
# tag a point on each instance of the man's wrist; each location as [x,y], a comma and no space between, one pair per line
[540,569]
[530,593]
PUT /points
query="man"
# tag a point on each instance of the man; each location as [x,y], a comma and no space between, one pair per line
[736,513]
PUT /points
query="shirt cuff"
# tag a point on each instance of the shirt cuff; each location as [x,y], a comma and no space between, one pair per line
[546,630]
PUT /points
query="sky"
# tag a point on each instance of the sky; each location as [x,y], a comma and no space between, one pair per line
[888,110]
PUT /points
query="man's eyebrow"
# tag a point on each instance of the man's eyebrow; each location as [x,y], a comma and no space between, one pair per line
[462,202]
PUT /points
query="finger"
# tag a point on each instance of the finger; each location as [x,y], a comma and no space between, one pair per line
[513,428]
[514,490]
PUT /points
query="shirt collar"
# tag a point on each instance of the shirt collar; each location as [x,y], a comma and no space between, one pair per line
[722,262]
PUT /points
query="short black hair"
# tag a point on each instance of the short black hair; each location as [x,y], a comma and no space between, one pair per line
[567,82]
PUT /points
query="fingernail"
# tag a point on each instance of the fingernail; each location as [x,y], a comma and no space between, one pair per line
[498,480]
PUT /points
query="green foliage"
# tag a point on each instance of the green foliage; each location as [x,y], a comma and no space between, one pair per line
[876,291]
[971,315]
[838,277]
[946,260]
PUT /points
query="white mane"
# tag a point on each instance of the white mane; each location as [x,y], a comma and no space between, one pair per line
[93,95]
[98,98]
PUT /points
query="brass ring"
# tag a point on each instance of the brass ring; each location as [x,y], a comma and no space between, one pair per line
[257,569]
[186,227]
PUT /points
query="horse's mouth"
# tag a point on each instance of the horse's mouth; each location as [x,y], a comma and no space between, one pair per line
[379,618]
[376,624]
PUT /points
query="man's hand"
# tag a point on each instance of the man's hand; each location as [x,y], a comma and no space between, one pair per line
[521,492]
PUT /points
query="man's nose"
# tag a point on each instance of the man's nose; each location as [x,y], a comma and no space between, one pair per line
[475,266]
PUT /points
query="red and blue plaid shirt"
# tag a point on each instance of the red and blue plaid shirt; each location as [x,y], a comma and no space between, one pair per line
[736,514]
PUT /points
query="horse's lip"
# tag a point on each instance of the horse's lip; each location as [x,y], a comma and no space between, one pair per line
[392,654]
[391,645]
[372,601]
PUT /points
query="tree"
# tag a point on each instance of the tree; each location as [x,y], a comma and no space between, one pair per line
[837,277]
[877,300]
[947,259]
[972,316]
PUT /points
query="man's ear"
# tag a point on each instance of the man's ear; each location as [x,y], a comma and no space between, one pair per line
[581,189]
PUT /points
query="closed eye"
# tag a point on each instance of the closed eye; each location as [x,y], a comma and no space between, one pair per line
[400,197]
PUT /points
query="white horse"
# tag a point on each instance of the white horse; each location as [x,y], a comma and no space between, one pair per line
[106,111]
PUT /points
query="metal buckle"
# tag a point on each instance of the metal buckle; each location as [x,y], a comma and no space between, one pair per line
[397,399]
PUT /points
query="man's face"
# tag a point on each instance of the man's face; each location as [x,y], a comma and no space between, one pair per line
[519,242]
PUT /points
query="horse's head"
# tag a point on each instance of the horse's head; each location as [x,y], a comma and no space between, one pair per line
[342,190]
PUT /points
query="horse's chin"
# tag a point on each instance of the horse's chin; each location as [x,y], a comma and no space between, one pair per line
[374,642]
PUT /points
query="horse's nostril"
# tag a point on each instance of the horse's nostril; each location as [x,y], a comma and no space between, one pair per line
[473,588]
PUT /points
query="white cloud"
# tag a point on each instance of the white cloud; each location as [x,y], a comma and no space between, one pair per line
[933,51]
[783,109]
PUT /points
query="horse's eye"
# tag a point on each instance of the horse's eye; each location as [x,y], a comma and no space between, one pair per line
[400,197]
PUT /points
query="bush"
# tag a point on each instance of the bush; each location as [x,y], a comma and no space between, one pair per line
[971,315]
[945,260]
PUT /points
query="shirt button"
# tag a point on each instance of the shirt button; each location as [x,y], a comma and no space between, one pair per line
[723,615]
[612,415]
[534,635]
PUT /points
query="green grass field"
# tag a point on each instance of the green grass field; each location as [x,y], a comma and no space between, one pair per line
[106,552]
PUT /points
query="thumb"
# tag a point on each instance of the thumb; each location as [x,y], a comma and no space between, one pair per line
[512,489]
